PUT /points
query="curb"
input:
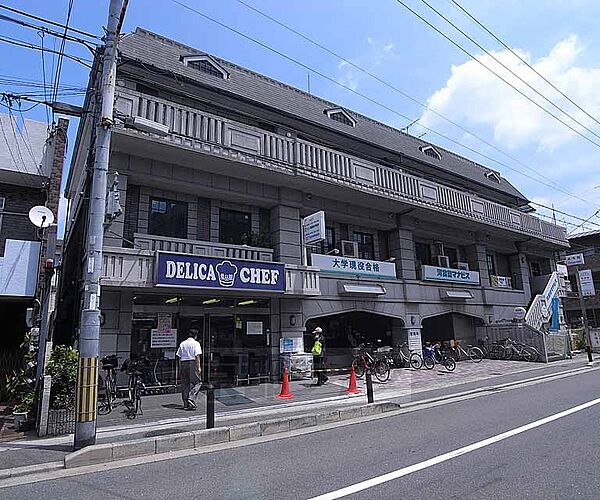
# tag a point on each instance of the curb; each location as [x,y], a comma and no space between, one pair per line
[102,453]
[30,469]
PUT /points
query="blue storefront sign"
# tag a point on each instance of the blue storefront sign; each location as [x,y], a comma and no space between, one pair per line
[226,274]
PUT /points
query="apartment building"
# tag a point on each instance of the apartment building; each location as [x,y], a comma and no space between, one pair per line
[218,166]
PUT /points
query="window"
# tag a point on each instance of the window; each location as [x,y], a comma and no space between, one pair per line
[329,243]
[491,264]
[234,226]
[536,269]
[422,254]
[205,64]
[340,115]
[168,218]
[366,247]
[452,255]
[493,176]
[431,152]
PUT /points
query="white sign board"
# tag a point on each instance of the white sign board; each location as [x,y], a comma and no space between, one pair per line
[519,313]
[561,269]
[587,282]
[313,227]
[350,265]
[254,328]
[164,322]
[414,340]
[434,273]
[575,259]
[166,339]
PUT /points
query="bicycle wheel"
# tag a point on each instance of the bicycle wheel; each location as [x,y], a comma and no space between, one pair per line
[496,352]
[381,370]
[453,353]
[104,401]
[507,354]
[449,363]
[475,354]
[359,369]
[535,354]
[415,361]
[428,362]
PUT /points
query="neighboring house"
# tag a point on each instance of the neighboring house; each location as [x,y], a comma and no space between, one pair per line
[218,166]
[588,244]
[31,161]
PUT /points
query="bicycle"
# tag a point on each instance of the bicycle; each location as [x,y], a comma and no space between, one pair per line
[363,361]
[495,350]
[135,387]
[401,355]
[438,356]
[524,352]
[109,384]
[457,351]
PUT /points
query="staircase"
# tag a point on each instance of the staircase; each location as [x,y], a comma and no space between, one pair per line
[540,310]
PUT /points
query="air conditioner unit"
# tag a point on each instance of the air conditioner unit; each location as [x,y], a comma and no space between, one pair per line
[349,248]
[443,261]
[463,265]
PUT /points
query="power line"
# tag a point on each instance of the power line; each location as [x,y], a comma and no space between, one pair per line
[516,54]
[586,221]
[462,49]
[44,77]
[28,45]
[563,213]
[364,96]
[396,89]
[509,70]
[48,21]
[61,54]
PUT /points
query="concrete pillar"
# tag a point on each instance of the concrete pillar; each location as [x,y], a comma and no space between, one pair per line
[285,234]
[287,321]
[402,248]
[476,257]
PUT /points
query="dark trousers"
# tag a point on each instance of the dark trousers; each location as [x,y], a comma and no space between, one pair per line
[190,380]
[319,365]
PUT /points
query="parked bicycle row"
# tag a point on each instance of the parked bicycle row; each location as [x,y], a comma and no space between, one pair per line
[509,349]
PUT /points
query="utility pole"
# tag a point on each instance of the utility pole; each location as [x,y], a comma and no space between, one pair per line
[89,335]
[586,326]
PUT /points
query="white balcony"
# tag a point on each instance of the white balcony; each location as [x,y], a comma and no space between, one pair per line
[213,135]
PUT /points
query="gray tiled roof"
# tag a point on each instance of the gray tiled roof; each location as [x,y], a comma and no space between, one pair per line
[163,53]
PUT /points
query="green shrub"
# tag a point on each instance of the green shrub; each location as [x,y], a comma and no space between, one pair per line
[62,366]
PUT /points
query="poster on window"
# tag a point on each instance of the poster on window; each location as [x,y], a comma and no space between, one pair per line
[164,322]
[254,328]
[163,340]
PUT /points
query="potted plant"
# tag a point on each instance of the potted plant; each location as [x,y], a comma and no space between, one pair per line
[22,395]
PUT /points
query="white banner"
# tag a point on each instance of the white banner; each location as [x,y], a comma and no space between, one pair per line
[434,273]
[587,282]
[575,259]
[350,265]
[414,340]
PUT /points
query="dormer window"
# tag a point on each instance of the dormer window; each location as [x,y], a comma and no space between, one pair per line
[205,64]
[493,176]
[431,152]
[340,115]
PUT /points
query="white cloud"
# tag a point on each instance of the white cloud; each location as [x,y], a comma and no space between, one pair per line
[473,96]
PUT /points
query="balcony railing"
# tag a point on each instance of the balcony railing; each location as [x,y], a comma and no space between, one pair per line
[201,131]
[206,248]
[132,267]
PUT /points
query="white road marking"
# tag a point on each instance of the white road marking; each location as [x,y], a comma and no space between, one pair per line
[405,471]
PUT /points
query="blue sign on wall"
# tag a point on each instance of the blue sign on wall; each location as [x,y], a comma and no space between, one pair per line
[226,274]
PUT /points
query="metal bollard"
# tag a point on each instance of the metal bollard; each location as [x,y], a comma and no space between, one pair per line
[369,381]
[210,406]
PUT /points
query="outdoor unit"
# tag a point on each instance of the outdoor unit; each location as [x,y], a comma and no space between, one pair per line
[349,248]
[443,261]
[463,265]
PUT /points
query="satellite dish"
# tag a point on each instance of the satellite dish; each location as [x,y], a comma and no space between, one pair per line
[41,216]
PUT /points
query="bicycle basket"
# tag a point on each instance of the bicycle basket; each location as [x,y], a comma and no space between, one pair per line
[109,362]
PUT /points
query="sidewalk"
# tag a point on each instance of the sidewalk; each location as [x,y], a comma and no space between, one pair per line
[164,414]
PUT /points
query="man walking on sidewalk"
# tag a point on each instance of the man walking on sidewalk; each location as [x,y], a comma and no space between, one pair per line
[189,353]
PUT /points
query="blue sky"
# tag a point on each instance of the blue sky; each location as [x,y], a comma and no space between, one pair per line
[559,38]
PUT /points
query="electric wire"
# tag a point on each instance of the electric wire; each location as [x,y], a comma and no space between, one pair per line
[41,34]
[398,90]
[61,51]
[20,43]
[524,61]
[531,87]
[360,94]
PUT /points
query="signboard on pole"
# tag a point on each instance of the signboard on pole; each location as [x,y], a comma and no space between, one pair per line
[313,227]
[414,341]
[575,259]
[587,283]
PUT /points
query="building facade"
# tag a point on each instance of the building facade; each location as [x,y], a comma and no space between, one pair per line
[31,162]
[218,166]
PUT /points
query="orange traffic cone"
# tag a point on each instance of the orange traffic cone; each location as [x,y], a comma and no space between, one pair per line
[285,387]
[352,387]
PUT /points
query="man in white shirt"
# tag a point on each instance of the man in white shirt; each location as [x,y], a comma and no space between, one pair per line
[189,353]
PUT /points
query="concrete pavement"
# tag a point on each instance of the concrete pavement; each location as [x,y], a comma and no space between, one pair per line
[555,460]
[405,386]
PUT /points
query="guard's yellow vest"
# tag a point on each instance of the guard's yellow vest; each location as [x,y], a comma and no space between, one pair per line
[317,348]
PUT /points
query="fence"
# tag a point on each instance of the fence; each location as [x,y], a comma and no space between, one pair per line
[61,422]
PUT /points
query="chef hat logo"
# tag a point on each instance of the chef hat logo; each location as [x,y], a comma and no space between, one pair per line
[226,272]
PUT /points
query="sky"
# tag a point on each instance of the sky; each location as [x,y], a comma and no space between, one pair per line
[463,106]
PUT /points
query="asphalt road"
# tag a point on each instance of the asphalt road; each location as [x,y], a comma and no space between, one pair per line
[558,459]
